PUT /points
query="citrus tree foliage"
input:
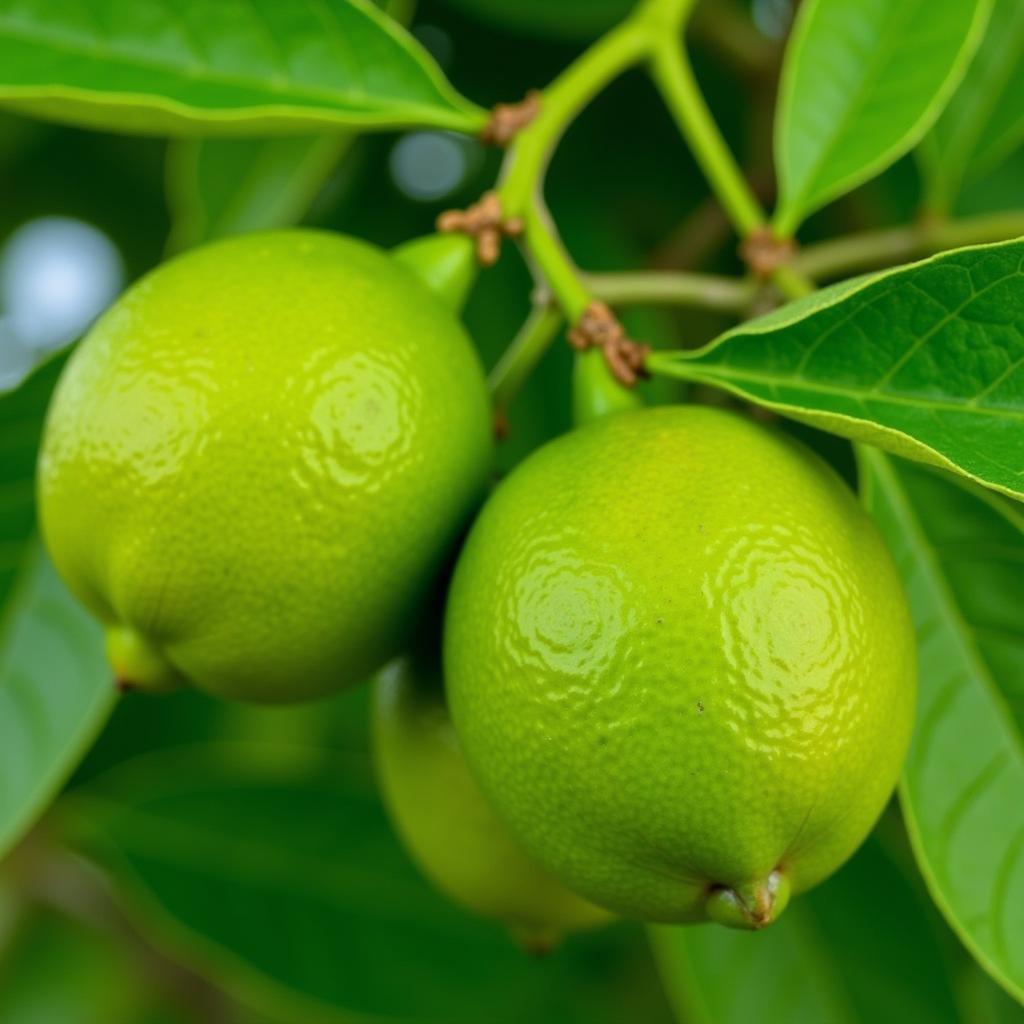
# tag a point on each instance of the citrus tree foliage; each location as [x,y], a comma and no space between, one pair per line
[246,849]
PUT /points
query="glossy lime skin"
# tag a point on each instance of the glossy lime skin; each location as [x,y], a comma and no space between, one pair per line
[446,823]
[679,658]
[258,458]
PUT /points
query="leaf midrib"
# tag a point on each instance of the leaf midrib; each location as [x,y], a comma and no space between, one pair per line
[895,398]
[288,91]
[882,53]
[180,844]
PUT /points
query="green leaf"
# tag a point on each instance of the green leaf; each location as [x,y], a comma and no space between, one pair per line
[926,361]
[858,948]
[984,120]
[282,880]
[961,553]
[862,81]
[221,187]
[239,67]
[58,971]
[55,694]
[984,1001]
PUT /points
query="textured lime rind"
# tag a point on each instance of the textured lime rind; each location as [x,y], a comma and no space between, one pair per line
[679,659]
[257,460]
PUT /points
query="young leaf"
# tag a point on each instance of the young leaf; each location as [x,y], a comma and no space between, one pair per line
[232,67]
[926,361]
[861,82]
[220,187]
[961,552]
[984,120]
[283,880]
[858,948]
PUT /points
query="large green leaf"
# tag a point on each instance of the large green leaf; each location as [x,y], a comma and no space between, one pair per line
[861,82]
[859,948]
[961,553]
[984,120]
[220,187]
[230,67]
[283,880]
[55,693]
[925,360]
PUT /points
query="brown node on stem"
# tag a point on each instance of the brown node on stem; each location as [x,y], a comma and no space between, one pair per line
[499,423]
[485,223]
[509,119]
[764,252]
[598,327]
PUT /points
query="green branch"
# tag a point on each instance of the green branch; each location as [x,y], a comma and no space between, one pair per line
[841,257]
[520,190]
[523,174]
[551,263]
[526,350]
[888,246]
[673,75]
[700,291]
[521,186]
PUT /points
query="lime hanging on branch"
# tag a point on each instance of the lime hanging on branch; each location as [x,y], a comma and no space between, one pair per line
[680,661]
[258,459]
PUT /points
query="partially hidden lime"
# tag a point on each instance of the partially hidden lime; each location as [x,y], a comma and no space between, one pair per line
[448,826]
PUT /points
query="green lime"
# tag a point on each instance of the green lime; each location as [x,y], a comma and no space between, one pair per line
[257,460]
[449,827]
[681,664]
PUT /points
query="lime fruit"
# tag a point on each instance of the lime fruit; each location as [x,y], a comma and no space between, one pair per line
[446,823]
[257,460]
[681,664]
